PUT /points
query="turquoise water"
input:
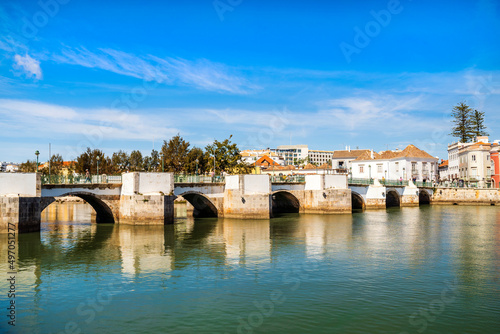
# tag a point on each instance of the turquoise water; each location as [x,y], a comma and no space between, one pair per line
[410,270]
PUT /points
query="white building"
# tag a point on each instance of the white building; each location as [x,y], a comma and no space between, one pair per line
[292,154]
[453,161]
[470,163]
[342,160]
[443,170]
[410,163]
[475,163]
[252,156]
[318,157]
[12,168]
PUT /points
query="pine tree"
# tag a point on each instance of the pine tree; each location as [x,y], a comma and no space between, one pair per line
[462,128]
[477,123]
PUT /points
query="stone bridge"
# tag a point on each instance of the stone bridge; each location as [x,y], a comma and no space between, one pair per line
[148,198]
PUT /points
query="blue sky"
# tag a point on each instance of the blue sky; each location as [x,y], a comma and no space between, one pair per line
[129,74]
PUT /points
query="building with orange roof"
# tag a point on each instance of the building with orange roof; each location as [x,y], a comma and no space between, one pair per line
[474,163]
[342,159]
[443,171]
[252,156]
[265,162]
[408,164]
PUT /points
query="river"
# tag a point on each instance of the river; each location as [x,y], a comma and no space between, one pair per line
[433,269]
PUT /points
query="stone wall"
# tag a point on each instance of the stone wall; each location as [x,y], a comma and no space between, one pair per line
[327,201]
[247,197]
[466,196]
[23,213]
[20,184]
[146,209]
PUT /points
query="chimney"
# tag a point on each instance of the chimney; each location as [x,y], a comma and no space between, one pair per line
[371,154]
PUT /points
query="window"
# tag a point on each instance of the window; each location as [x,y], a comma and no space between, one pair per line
[414,167]
[473,157]
[361,169]
[397,167]
[379,168]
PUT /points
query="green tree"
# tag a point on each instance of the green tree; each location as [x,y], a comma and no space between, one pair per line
[56,164]
[136,161]
[175,154]
[28,167]
[227,157]
[477,123]
[196,154]
[462,128]
[120,161]
[152,162]
[88,160]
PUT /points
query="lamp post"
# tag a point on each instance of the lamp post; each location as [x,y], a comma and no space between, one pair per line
[197,166]
[214,163]
[404,174]
[37,154]
[98,158]
[370,171]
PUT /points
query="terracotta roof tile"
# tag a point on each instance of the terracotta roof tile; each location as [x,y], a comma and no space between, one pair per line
[411,151]
[349,154]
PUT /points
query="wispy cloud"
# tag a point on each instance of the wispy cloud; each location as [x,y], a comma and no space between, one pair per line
[201,74]
[29,66]
[52,120]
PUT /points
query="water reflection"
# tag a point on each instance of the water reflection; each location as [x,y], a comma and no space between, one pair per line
[393,257]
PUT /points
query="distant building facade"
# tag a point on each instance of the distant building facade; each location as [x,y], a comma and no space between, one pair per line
[292,154]
[408,164]
[443,170]
[342,160]
[318,157]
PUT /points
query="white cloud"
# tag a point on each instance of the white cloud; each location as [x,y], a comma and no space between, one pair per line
[51,121]
[30,66]
[201,74]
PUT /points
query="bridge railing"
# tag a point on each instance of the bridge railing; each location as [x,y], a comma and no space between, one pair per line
[424,184]
[363,182]
[288,179]
[80,179]
[394,183]
[181,178]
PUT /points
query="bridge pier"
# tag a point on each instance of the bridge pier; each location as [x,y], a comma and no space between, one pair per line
[325,194]
[19,202]
[247,197]
[147,199]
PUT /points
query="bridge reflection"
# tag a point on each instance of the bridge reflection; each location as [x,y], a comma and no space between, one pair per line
[220,244]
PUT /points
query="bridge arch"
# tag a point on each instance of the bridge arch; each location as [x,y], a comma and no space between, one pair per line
[203,206]
[104,212]
[284,202]
[357,201]
[424,197]
[392,199]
